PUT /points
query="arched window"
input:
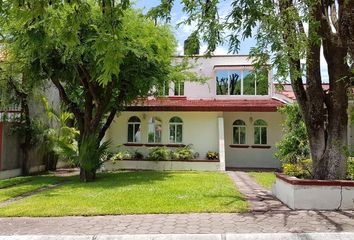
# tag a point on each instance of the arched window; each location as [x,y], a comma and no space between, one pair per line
[239,132]
[134,133]
[176,130]
[155,130]
[260,132]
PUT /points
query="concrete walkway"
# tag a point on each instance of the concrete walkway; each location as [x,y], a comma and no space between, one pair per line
[280,236]
[259,198]
[202,223]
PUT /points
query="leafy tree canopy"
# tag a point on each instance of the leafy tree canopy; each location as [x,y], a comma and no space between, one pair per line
[290,35]
[100,55]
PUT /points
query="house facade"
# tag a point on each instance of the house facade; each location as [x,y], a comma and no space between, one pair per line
[234,113]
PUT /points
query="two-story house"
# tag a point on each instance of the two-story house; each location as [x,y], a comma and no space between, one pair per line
[233,113]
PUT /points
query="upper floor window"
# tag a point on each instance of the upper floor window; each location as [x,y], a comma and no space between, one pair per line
[260,132]
[239,132]
[134,134]
[241,82]
[164,90]
[155,130]
[176,130]
[179,88]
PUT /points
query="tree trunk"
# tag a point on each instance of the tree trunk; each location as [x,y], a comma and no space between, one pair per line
[87,176]
[26,145]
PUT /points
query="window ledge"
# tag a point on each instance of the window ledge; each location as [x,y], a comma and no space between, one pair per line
[154,145]
[239,146]
[177,145]
[133,144]
[261,146]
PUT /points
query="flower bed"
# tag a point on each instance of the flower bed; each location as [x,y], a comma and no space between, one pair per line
[144,164]
[314,194]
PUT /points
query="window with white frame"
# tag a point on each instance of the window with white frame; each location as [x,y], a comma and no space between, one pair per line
[242,82]
[134,133]
[239,132]
[155,130]
[176,130]
[164,90]
[179,88]
[260,132]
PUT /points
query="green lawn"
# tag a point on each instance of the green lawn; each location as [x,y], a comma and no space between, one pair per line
[264,179]
[23,185]
[135,193]
[13,181]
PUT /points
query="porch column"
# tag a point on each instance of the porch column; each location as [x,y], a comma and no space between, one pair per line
[221,144]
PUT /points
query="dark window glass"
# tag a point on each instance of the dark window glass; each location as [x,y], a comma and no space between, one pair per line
[235,82]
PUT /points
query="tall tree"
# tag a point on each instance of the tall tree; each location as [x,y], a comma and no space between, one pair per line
[287,33]
[100,55]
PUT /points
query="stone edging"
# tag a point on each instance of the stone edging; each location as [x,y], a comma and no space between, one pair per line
[307,182]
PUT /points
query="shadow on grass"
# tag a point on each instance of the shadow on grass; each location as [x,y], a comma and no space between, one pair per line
[117,179]
[229,199]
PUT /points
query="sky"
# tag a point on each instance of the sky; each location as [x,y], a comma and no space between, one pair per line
[182,32]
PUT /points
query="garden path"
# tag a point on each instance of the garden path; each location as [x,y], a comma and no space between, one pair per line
[28,194]
[259,198]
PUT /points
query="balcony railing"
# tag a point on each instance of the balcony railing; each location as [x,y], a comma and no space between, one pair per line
[10,113]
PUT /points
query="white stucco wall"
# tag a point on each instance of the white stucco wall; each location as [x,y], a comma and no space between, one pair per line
[253,157]
[162,165]
[205,67]
[199,129]
[314,197]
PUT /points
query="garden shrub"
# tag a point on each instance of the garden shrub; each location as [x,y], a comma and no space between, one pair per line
[138,155]
[294,145]
[159,153]
[350,168]
[300,169]
[212,155]
[121,155]
[185,153]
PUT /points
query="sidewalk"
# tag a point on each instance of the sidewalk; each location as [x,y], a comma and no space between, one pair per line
[280,236]
[197,223]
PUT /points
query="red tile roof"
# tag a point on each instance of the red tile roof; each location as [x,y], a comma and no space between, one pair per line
[206,105]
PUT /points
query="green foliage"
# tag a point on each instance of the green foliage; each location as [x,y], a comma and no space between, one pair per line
[91,156]
[185,153]
[138,155]
[121,155]
[101,57]
[350,168]
[212,155]
[294,145]
[300,169]
[60,138]
[159,153]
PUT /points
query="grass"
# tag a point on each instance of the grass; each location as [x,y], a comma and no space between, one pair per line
[265,179]
[13,181]
[16,186]
[135,193]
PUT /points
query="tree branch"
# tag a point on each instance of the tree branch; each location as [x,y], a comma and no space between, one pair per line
[107,124]
[88,84]
[100,110]
[70,104]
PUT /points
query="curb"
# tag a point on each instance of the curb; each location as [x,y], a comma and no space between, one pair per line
[258,236]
